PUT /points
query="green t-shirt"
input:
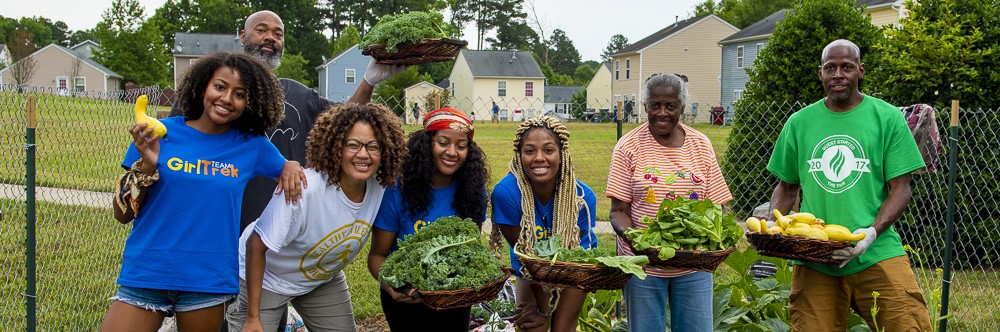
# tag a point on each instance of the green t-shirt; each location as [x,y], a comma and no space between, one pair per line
[843,162]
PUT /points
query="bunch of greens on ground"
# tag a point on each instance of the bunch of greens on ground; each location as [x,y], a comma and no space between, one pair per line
[551,249]
[685,224]
[446,254]
[394,29]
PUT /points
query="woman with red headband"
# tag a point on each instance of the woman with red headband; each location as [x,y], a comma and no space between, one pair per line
[444,174]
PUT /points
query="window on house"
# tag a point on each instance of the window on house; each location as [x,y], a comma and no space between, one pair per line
[618,64]
[502,88]
[349,76]
[79,84]
[453,89]
[529,89]
[739,56]
[62,85]
[737,94]
[192,61]
[760,47]
[628,68]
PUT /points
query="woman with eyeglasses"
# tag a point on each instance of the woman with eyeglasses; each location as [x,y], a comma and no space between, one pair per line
[444,175]
[658,160]
[297,252]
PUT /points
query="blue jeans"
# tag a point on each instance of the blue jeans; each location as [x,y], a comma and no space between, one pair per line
[690,299]
[167,301]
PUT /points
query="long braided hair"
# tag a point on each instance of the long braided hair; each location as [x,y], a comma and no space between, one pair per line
[567,202]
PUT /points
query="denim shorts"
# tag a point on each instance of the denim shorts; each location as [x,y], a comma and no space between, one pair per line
[169,301]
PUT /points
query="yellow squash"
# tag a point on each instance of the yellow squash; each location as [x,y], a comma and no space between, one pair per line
[803,217]
[807,232]
[753,225]
[140,117]
[841,233]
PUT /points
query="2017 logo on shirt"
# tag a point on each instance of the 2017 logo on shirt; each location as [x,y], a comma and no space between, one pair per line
[838,162]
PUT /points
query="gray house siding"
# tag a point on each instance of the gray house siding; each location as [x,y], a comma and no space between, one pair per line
[333,74]
[734,77]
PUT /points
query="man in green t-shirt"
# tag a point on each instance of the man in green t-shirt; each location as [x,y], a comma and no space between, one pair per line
[850,155]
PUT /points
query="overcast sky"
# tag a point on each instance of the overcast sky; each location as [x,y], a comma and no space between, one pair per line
[589,23]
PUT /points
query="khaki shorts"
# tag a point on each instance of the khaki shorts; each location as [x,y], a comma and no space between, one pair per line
[820,302]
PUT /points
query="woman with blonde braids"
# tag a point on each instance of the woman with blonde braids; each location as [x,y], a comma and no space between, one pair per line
[541,197]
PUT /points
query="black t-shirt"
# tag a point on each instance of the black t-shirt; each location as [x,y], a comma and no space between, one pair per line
[302,106]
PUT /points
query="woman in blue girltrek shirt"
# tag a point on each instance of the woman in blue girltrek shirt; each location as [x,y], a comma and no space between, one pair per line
[184,191]
[541,197]
[443,175]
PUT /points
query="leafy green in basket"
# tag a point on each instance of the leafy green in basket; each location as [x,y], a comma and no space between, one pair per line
[685,224]
[394,29]
[551,249]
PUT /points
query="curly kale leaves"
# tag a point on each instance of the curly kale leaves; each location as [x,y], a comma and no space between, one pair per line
[394,29]
[552,249]
[685,224]
[446,254]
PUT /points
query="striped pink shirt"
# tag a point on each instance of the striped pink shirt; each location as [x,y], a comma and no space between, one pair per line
[644,173]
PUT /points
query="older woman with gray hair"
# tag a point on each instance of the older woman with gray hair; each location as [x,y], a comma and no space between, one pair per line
[662,159]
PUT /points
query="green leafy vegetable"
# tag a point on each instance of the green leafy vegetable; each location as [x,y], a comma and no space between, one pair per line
[394,29]
[551,249]
[685,224]
[446,254]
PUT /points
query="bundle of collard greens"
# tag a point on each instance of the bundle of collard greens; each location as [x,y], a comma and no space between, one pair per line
[412,26]
[685,224]
[551,249]
[444,255]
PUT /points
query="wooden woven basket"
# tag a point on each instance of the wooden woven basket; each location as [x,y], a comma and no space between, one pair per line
[460,298]
[585,277]
[412,53]
[706,261]
[797,247]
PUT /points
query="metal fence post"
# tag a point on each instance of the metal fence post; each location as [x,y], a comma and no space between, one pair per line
[29,187]
[950,216]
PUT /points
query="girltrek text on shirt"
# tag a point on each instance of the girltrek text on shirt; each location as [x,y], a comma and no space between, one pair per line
[203,167]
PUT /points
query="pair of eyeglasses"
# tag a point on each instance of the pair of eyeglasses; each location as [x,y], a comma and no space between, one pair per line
[354,146]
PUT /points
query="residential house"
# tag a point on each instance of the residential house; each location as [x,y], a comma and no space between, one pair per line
[559,101]
[87,48]
[188,47]
[512,79]
[599,91]
[739,50]
[61,71]
[339,77]
[417,94]
[687,47]
[5,57]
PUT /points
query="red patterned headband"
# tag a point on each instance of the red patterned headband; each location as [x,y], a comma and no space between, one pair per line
[448,118]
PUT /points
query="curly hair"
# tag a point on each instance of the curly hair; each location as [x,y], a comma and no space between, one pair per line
[567,203]
[470,191]
[265,98]
[326,140]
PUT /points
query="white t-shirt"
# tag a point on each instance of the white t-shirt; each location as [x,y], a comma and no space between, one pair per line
[312,241]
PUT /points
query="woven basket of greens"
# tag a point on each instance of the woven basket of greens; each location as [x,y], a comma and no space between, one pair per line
[409,39]
[584,269]
[686,234]
[446,265]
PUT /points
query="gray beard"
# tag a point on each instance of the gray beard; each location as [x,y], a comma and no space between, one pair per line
[272,60]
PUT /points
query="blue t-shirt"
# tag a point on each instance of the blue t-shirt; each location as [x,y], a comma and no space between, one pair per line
[185,236]
[507,211]
[393,216]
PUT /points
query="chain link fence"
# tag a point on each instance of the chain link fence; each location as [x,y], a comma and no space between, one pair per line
[80,141]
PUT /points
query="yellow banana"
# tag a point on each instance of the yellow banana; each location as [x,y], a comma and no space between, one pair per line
[803,217]
[841,233]
[807,232]
[753,225]
[140,117]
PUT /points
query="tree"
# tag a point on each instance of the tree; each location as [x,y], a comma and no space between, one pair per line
[80,36]
[122,27]
[516,35]
[554,78]
[563,56]
[742,13]
[23,65]
[784,73]
[579,105]
[944,50]
[584,73]
[348,38]
[616,44]
[487,15]
[293,66]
